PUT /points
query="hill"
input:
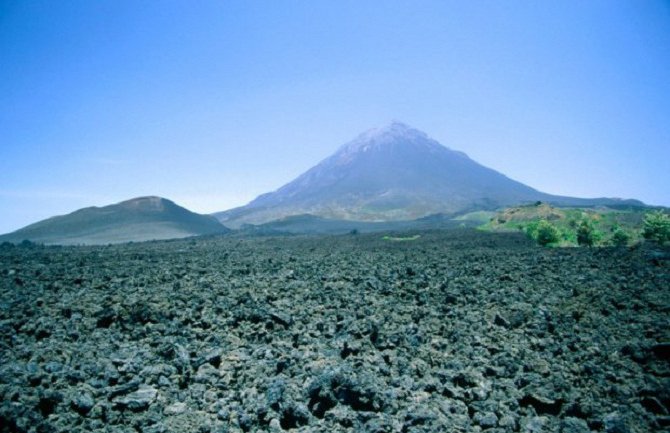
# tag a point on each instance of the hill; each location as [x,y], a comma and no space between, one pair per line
[138,219]
[605,221]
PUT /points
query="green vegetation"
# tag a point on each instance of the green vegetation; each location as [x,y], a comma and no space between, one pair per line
[620,237]
[586,233]
[543,232]
[401,239]
[656,227]
[565,227]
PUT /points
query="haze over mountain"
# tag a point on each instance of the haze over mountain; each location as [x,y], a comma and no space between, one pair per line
[393,173]
[385,177]
[138,219]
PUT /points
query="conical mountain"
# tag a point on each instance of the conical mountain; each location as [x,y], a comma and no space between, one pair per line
[138,219]
[389,174]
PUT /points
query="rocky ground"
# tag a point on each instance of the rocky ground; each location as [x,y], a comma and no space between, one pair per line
[454,331]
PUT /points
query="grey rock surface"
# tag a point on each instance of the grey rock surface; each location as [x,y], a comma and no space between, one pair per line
[138,400]
[334,334]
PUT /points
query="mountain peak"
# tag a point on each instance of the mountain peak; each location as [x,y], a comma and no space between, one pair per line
[395,129]
[395,172]
[393,135]
[147,203]
[391,173]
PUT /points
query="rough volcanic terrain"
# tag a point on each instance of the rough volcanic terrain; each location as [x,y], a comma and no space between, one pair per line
[456,331]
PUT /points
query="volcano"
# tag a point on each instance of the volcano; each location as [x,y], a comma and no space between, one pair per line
[393,173]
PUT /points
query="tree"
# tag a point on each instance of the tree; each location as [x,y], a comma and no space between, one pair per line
[620,237]
[586,233]
[547,233]
[656,227]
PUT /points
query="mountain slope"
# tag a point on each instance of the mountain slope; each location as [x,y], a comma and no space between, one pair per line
[139,219]
[390,174]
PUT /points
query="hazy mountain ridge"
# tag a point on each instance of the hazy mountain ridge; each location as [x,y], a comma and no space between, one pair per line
[138,219]
[393,173]
[395,177]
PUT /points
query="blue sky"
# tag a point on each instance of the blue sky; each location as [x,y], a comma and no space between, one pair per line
[212,103]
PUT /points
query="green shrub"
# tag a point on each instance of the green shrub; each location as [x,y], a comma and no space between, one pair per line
[587,234]
[656,227]
[530,229]
[620,237]
[543,232]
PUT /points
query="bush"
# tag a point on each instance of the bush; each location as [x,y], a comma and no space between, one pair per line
[587,234]
[656,227]
[620,237]
[543,232]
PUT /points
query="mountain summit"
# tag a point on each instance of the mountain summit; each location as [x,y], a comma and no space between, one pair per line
[395,134]
[388,174]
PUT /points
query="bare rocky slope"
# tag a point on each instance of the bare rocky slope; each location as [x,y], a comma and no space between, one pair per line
[454,331]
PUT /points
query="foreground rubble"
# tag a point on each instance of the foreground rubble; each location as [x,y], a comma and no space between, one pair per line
[453,331]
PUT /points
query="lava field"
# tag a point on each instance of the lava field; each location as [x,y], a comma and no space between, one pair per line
[456,331]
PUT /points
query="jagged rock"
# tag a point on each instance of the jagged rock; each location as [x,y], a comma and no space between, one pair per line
[541,404]
[82,403]
[138,400]
[212,357]
[574,425]
[614,423]
[281,318]
[206,373]
[486,419]
[175,408]
[535,424]
[501,321]
[350,342]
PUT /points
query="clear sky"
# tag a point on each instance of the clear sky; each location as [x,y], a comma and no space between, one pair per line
[212,103]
